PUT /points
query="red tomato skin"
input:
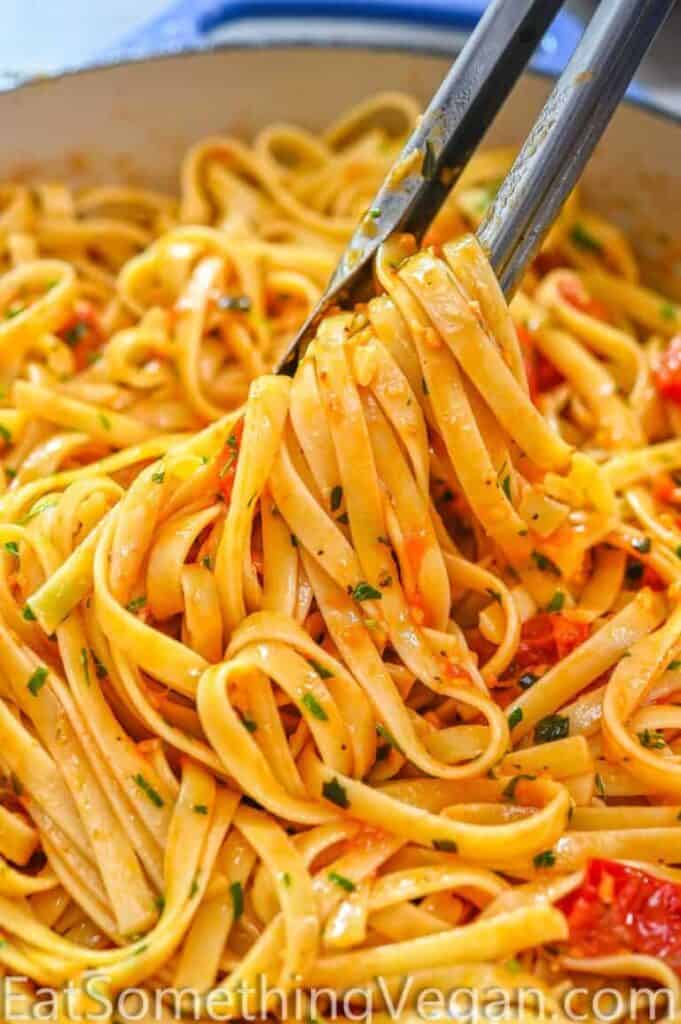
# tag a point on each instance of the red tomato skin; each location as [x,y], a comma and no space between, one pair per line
[542,375]
[667,373]
[622,908]
[85,321]
[574,292]
[547,638]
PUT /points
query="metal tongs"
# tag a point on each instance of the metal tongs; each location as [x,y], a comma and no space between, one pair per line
[547,167]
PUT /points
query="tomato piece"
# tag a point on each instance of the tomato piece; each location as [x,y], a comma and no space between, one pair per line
[226,462]
[574,292]
[542,375]
[652,579]
[83,333]
[667,373]
[547,638]
[664,488]
[622,908]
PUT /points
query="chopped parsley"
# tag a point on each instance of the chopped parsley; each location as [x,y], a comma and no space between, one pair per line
[5,434]
[85,664]
[104,420]
[248,724]
[600,785]
[286,879]
[136,604]
[336,497]
[584,239]
[342,881]
[652,739]
[506,486]
[556,603]
[553,727]
[200,809]
[100,669]
[375,212]
[148,790]
[515,718]
[641,544]
[509,790]
[314,707]
[363,591]
[387,736]
[12,547]
[158,477]
[28,614]
[335,792]
[674,665]
[667,311]
[546,859]
[37,681]
[544,564]
[237,894]
[445,846]
[322,672]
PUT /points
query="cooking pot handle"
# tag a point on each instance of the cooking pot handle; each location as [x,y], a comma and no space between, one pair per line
[189,24]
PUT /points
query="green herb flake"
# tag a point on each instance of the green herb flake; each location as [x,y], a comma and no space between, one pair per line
[200,809]
[322,672]
[674,665]
[583,239]
[158,477]
[104,420]
[667,311]
[342,881]
[445,846]
[28,614]
[335,792]
[556,603]
[424,386]
[641,544]
[546,859]
[509,790]
[136,604]
[286,879]
[336,497]
[552,727]
[506,486]
[101,670]
[85,663]
[248,724]
[5,434]
[363,591]
[237,894]
[37,681]
[375,212]
[314,707]
[160,903]
[515,718]
[12,547]
[545,564]
[194,889]
[652,739]
[148,790]
[388,737]
[600,785]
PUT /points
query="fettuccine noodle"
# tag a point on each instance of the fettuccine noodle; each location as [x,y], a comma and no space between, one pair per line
[341,678]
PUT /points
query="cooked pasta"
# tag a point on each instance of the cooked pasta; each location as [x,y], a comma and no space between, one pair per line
[367,674]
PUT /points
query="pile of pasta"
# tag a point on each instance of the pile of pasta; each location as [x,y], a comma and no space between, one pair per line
[367,673]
